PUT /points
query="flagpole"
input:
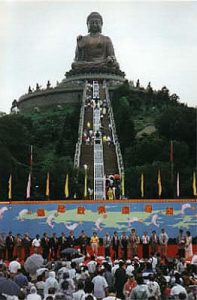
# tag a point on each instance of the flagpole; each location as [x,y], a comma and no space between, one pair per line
[178,186]
[142,185]
[159,184]
[194,184]
[66,188]
[172,166]
[28,191]
[47,192]
[10,189]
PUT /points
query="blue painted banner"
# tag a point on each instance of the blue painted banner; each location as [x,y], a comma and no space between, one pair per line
[101,216]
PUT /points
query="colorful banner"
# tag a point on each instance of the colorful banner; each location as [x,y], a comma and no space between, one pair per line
[101,216]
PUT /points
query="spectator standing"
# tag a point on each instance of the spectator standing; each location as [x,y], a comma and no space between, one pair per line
[129,285]
[153,288]
[140,291]
[134,241]
[89,286]
[26,243]
[33,294]
[53,243]
[120,279]
[145,245]
[188,245]
[36,244]
[124,244]
[71,239]
[115,244]
[45,246]
[154,241]
[10,245]
[181,241]
[80,291]
[83,241]
[100,285]
[51,282]
[107,244]
[62,241]
[163,240]
[94,241]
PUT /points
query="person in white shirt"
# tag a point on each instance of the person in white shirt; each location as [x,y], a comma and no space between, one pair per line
[51,282]
[115,267]
[140,291]
[163,240]
[33,294]
[14,266]
[36,244]
[153,288]
[80,292]
[145,245]
[100,285]
[177,289]
[130,268]
[92,265]
[89,291]
[111,295]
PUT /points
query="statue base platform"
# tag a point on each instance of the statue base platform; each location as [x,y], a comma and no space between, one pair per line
[92,76]
[68,91]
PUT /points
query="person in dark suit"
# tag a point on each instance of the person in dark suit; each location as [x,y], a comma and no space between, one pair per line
[83,241]
[45,246]
[71,239]
[124,244]
[115,244]
[26,243]
[53,242]
[10,245]
[63,243]
[120,279]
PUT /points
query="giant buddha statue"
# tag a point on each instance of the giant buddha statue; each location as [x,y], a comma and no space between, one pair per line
[95,52]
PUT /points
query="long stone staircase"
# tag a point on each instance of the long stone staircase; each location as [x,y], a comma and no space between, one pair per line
[98,147]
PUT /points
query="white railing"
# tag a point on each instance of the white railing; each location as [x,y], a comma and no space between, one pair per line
[99,178]
[114,134]
[80,130]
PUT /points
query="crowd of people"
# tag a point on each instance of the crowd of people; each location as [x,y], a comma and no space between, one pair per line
[115,271]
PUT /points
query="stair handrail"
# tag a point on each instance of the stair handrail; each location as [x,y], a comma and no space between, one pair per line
[98,181]
[114,134]
[80,130]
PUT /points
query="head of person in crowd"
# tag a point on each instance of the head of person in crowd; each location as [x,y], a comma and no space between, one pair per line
[139,279]
[89,287]
[60,296]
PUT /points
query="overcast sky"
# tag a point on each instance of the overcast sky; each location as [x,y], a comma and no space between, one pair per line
[153,41]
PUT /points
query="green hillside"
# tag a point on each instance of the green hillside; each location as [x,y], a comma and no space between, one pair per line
[53,134]
[146,122]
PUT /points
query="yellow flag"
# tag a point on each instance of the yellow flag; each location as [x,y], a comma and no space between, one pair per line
[159,184]
[122,185]
[194,184]
[10,187]
[142,185]
[66,189]
[47,185]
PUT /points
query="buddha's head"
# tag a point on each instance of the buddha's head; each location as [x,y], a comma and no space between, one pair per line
[94,22]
